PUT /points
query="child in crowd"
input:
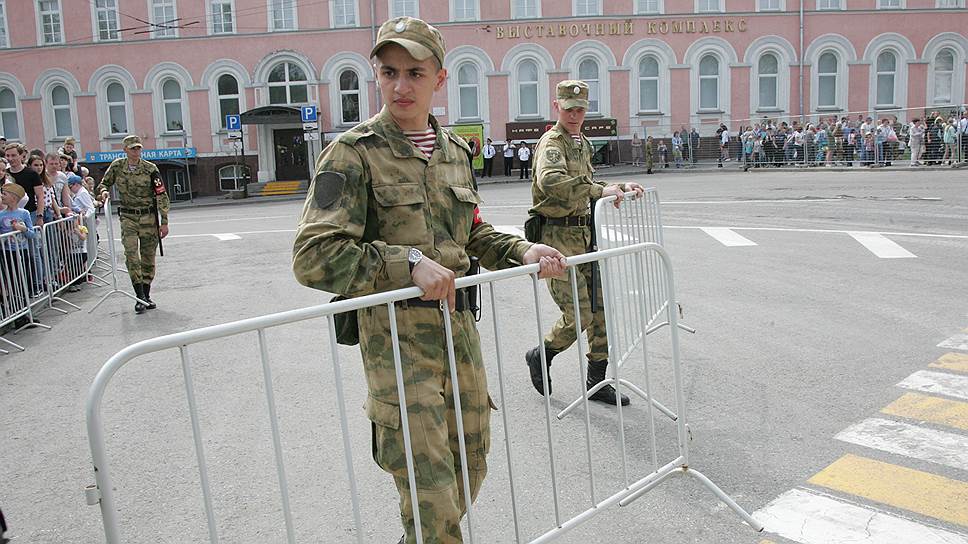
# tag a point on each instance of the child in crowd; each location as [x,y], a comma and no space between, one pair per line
[13,218]
[663,154]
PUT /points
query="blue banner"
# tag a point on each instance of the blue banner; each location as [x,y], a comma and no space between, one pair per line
[146,154]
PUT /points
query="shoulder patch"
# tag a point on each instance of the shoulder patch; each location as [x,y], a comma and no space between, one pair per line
[553,155]
[355,134]
[327,187]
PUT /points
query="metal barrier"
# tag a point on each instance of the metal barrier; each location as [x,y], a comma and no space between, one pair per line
[626,487]
[65,256]
[112,265]
[17,286]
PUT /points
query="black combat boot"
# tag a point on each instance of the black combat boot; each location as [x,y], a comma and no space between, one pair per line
[533,357]
[146,288]
[139,307]
[596,373]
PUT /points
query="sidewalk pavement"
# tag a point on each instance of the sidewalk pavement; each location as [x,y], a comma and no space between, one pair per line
[601,171]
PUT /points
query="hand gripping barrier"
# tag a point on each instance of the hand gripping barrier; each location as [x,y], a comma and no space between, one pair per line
[554,523]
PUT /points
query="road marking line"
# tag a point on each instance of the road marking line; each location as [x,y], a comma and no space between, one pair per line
[811,518]
[951,413]
[913,490]
[939,447]
[881,246]
[728,237]
[952,361]
[509,229]
[958,341]
[941,383]
[830,231]
[616,236]
[227,236]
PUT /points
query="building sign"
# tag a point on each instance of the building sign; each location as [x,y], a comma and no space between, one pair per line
[532,130]
[627,27]
[475,134]
[146,154]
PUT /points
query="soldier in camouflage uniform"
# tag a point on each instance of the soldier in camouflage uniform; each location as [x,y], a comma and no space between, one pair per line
[142,193]
[561,190]
[649,154]
[380,215]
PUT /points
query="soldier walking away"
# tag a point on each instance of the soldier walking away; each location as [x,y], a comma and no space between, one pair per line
[649,154]
[392,205]
[143,198]
[561,193]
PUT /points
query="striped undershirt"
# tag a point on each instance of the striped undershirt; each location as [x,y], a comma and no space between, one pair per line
[424,140]
[576,137]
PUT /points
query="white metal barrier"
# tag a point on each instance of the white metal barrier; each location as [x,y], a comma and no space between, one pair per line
[17,285]
[111,266]
[626,488]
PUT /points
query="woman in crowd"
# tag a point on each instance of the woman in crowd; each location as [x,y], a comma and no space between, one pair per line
[636,150]
[949,137]
[50,210]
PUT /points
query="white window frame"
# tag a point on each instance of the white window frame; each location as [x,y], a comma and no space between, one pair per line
[519,94]
[933,76]
[163,33]
[40,22]
[781,6]
[718,77]
[358,92]
[515,5]
[219,97]
[461,86]
[5,41]
[236,168]
[776,82]
[96,21]
[164,102]
[211,17]
[475,5]
[658,83]
[721,7]
[597,88]
[837,75]
[895,77]
[597,10]
[283,4]
[126,103]
[940,4]
[660,8]
[394,13]
[287,83]
[349,3]
[901,4]
[825,5]
[16,111]
[49,96]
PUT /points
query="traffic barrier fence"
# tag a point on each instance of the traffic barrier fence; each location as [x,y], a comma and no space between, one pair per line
[536,501]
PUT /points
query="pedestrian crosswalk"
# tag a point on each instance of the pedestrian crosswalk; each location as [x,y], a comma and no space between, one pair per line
[903,478]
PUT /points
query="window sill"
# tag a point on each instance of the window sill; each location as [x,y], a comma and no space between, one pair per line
[650,113]
[769,110]
[886,107]
[829,109]
[469,120]
[710,112]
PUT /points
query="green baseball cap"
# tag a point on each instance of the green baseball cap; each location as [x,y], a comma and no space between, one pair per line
[420,39]
[131,140]
[572,93]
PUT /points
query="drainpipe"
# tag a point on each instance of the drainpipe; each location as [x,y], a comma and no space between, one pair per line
[802,119]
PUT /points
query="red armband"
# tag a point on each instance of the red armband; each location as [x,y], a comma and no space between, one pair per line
[477,217]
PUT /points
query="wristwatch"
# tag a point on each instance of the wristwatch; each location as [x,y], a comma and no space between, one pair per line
[413,258]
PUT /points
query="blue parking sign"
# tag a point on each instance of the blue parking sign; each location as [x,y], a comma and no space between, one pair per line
[308,113]
[233,123]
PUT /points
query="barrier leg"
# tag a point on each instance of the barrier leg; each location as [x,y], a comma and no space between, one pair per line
[113,261]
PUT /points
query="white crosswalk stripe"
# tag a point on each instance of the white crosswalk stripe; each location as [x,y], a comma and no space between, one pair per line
[958,341]
[728,237]
[937,382]
[881,246]
[939,447]
[811,518]
[227,236]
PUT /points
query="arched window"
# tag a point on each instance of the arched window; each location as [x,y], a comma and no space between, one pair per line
[287,84]
[468,87]
[768,70]
[709,83]
[827,80]
[944,72]
[228,96]
[886,72]
[588,72]
[8,115]
[528,88]
[349,97]
[648,84]
[232,177]
[60,102]
[171,97]
[117,108]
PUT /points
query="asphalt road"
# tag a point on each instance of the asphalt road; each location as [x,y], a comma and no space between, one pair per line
[807,319]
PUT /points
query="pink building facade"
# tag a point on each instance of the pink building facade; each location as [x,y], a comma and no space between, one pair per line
[170,70]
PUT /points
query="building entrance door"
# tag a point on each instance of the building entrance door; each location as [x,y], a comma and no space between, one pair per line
[290,150]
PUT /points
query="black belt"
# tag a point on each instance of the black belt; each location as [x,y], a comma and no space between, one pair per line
[463,302]
[570,221]
[137,211]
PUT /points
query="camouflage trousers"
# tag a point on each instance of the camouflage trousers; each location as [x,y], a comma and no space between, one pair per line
[575,241]
[139,236]
[431,413]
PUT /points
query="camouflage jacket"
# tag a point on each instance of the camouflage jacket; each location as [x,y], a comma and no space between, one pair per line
[562,178]
[374,195]
[139,188]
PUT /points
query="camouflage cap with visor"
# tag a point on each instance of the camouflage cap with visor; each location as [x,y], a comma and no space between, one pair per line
[131,140]
[420,39]
[572,94]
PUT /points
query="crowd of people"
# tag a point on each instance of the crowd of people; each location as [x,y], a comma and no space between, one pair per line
[41,187]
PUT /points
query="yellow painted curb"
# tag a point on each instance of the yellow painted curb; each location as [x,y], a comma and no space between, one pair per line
[927,494]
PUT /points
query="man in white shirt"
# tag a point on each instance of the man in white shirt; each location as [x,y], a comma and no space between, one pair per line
[508,157]
[524,157]
[489,153]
